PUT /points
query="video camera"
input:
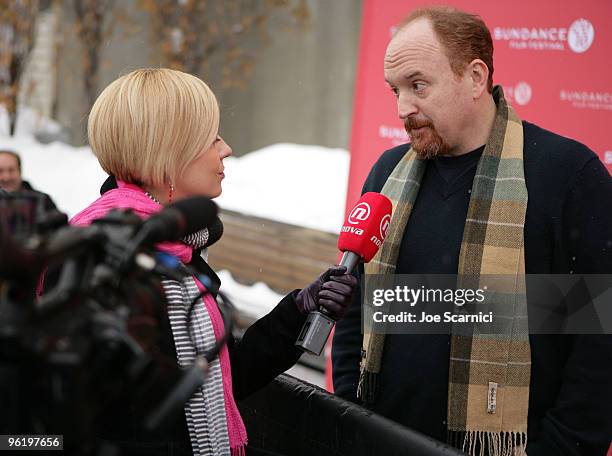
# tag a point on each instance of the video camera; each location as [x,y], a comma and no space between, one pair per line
[94,337]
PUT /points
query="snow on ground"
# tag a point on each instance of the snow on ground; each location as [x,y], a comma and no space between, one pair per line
[291,183]
[252,300]
[296,184]
[28,123]
[256,301]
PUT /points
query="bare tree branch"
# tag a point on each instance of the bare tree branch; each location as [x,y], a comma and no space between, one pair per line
[91,16]
[190,33]
[17,23]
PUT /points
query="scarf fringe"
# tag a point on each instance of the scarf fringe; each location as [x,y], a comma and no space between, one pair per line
[483,443]
[239,450]
[368,386]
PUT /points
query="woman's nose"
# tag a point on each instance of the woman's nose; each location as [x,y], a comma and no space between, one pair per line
[225,150]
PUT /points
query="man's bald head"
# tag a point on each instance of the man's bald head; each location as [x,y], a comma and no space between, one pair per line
[463,36]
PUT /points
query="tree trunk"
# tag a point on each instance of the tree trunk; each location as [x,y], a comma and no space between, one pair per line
[12,123]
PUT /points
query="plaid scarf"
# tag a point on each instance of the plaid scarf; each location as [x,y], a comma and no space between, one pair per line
[489,375]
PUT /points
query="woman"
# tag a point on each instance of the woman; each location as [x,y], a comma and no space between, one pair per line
[156,132]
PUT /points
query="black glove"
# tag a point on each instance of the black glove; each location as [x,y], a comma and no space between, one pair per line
[333,291]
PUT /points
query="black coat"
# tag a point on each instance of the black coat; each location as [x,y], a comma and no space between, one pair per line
[47,202]
[568,228]
[267,348]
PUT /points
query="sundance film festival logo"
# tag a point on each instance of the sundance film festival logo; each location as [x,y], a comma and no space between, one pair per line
[578,36]
[583,99]
[581,36]
[359,213]
[397,135]
[519,94]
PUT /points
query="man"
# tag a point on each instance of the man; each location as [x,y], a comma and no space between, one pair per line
[478,191]
[11,181]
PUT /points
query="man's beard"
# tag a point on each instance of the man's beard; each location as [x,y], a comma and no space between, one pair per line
[427,142]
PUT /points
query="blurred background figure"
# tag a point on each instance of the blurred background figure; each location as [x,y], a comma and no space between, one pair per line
[11,181]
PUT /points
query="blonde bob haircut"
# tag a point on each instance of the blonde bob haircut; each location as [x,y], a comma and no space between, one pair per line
[148,125]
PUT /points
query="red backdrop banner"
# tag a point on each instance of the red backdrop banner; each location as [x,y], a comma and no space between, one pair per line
[551,58]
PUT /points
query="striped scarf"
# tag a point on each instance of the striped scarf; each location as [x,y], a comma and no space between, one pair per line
[213,420]
[489,375]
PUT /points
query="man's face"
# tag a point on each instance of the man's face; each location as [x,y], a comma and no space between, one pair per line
[432,101]
[10,175]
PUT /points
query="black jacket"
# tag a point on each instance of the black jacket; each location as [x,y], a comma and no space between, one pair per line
[568,228]
[267,348]
[48,203]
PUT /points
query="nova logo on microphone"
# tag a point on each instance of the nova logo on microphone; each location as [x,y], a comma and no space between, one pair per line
[352,229]
[384,224]
[360,213]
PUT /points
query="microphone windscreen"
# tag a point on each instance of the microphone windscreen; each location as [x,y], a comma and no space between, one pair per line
[215,231]
[178,219]
[365,226]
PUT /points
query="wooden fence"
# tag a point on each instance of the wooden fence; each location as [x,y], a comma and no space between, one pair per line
[283,256]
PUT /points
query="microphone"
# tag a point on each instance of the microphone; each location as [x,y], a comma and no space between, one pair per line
[172,223]
[362,234]
[215,231]
[177,220]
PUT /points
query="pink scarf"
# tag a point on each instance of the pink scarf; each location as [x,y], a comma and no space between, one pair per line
[129,196]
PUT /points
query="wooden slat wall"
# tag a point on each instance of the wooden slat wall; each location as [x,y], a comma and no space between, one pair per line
[260,250]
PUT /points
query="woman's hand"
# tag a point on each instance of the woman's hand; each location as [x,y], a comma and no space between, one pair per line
[333,291]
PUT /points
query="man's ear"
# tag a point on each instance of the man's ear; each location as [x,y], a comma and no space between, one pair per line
[479,76]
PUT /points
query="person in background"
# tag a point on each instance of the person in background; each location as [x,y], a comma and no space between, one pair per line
[156,132]
[481,192]
[11,181]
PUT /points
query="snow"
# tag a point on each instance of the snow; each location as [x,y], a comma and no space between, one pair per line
[253,301]
[296,184]
[256,301]
[28,122]
[303,185]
